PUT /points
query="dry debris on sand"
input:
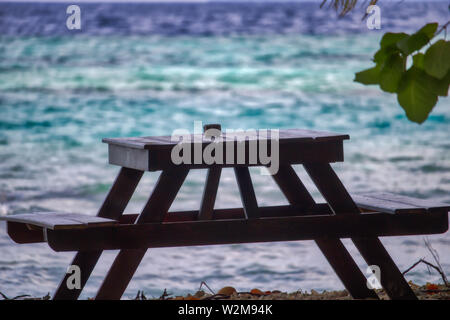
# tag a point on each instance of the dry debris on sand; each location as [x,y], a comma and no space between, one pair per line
[427,292]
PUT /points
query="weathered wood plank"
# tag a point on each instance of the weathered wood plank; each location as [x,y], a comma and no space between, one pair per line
[285,135]
[369,203]
[238,213]
[22,233]
[404,203]
[160,158]
[56,221]
[136,159]
[152,235]
[318,135]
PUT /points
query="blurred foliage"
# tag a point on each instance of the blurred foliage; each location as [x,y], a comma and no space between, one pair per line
[346,6]
[408,65]
[419,81]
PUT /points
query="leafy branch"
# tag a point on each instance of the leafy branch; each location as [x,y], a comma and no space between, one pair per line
[345,6]
[419,85]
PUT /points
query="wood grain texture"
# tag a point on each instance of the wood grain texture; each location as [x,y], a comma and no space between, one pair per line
[21,233]
[393,203]
[160,158]
[238,213]
[58,220]
[295,146]
[285,136]
[209,232]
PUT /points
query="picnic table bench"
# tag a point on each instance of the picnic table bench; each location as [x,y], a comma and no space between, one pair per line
[363,217]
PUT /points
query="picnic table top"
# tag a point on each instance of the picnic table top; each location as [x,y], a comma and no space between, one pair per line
[285,136]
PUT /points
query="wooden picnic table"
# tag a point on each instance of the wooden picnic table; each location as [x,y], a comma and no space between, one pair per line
[363,218]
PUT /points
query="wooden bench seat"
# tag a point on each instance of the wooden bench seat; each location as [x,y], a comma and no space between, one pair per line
[59,221]
[393,203]
[71,232]
[232,231]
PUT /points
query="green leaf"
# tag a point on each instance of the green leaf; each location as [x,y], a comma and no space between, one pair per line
[390,39]
[429,76]
[429,29]
[416,41]
[388,46]
[413,43]
[391,73]
[414,95]
[384,53]
[368,76]
[439,86]
[418,60]
[437,59]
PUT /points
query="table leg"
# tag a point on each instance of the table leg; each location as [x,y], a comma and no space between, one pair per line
[127,261]
[209,193]
[112,208]
[247,192]
[333,249]
[371,248]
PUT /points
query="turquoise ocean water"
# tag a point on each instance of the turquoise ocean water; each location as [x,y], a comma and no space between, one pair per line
[140,69]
